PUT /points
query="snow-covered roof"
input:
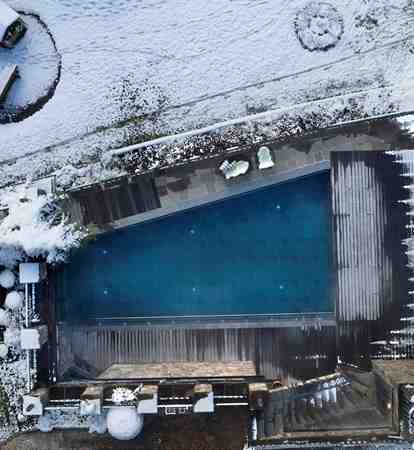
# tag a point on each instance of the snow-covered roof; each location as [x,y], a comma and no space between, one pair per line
[7,17]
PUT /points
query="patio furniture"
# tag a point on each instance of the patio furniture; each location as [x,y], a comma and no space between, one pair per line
[7,77]
[12,27]
[264,157]
[225,166]
[234,169]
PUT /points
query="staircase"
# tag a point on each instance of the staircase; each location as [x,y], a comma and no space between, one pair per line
[343,401]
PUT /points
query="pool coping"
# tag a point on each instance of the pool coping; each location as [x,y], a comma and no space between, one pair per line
[281,320]
[230,191]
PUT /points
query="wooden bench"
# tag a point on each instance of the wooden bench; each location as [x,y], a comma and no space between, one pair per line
[7,77]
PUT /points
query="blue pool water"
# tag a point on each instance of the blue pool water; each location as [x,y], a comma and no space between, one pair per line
[266,251]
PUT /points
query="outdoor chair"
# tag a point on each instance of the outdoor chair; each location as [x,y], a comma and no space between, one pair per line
[264,157]
[7,77]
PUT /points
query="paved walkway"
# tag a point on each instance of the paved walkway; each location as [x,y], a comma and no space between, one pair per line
[201,182]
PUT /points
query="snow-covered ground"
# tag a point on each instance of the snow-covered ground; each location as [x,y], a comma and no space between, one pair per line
[162,66]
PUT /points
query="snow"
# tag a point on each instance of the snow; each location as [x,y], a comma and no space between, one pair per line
[407,123]
[234,169]
[7,279]
[34,228]
[4,318]
[5,75]
[4,350]
[120,395]
[163,67]
[64,419]
[14,300]
[319,26]
[124,423]
[33,338]
[7,17]
[12,337]
[13,381]
[29,273]
[264,157]
[37,74]
[90,407]
[97,424]
[61,419]
[252,130]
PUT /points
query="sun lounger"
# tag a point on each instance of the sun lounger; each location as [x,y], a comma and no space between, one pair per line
[265,158]
[224,166]
[234,169]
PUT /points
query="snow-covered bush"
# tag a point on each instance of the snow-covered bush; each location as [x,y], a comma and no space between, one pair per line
[4,350]
[45,424]
[4,318]
[7,278]
[12,337]
[62,419]
[14,300]
[319,26]
[124,423]
[35,227]
[97,424]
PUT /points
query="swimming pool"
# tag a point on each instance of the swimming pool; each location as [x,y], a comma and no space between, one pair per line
[263,252]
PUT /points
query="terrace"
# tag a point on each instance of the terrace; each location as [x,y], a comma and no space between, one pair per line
[273,342]
[255,234]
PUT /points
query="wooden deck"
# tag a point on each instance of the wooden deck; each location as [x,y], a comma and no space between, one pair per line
[283,353]
[104,204]
[370,266]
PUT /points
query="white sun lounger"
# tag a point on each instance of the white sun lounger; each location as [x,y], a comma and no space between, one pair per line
[234,169]
[265,158]
[225,166]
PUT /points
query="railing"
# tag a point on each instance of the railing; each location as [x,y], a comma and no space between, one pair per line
[305,320]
